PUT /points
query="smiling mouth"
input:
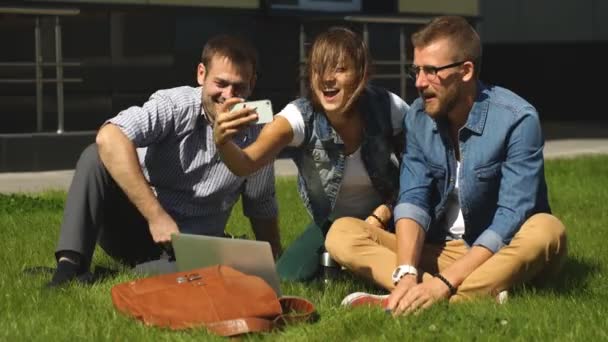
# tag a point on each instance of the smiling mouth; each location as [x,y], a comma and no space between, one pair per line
[427,97]
[329,93]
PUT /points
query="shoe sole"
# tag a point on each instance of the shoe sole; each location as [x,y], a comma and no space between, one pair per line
[362,298]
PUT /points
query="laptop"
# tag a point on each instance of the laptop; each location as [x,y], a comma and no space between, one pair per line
[248,256]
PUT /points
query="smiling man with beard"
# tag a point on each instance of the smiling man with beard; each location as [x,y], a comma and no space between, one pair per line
[473,216]
[155,171]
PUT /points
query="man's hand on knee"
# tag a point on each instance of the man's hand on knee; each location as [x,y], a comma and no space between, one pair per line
[421,296]
[405,284]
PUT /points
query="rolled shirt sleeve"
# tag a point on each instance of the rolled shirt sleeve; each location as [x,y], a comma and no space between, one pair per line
[149,123]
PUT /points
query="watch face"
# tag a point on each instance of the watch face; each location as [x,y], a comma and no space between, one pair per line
[397,274]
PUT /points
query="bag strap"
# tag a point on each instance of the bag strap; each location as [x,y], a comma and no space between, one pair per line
[295,309]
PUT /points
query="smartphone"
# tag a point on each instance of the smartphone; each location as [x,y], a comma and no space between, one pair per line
[262,107]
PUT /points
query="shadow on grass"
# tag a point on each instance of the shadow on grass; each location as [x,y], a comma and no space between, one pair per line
[99,274]
[573,279]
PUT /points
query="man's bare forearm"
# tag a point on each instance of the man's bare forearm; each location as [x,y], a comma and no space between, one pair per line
[243,162]
[463,267]
[410,240]
[119,156]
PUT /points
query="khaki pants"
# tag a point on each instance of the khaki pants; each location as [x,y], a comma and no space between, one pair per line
[536,251]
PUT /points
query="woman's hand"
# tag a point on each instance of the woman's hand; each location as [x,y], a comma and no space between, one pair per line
[380,217]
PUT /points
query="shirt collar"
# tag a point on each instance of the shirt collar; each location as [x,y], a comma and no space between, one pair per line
[479,112]
[204,115]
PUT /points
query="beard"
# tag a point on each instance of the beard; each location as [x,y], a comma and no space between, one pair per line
[209,107]
[443,104]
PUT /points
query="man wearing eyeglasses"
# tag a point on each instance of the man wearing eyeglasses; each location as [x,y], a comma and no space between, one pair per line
[473,216]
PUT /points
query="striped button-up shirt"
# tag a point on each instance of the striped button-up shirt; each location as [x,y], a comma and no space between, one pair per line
[180,161]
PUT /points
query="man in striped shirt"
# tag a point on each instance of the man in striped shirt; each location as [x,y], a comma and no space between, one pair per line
[154,171]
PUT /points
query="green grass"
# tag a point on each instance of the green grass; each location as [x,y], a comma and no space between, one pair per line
[575,307]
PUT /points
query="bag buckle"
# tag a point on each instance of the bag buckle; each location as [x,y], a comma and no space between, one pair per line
[193,276]
[188,277]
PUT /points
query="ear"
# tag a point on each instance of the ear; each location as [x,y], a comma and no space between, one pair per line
[201,72]
[469,69]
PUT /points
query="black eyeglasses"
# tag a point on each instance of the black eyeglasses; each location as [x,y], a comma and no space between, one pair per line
[430,71]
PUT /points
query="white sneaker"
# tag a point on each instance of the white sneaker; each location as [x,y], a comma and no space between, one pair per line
[362,298]
[502,297]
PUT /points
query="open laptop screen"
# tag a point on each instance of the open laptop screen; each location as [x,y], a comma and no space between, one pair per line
[248,256]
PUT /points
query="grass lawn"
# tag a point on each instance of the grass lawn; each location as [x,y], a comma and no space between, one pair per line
[573,308]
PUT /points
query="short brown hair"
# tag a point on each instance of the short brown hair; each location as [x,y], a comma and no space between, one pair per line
[332,47]
[238,50]
[465,41]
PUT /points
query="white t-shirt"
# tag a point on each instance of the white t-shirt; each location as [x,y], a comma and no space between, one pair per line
[293,115]
[454,221]
[357,196]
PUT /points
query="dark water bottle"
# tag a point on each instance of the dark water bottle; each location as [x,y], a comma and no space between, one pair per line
[330,269]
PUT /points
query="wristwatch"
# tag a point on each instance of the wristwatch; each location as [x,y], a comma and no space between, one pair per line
[401,271]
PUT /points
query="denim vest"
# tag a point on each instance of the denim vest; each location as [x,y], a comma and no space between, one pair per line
[321,159]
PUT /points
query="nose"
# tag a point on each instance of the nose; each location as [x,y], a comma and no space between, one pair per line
[421,80]
[228,92]
[329,77]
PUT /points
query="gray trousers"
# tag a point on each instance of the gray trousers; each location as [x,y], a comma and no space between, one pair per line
[97,210]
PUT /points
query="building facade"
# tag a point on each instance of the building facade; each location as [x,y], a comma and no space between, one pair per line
[66,66]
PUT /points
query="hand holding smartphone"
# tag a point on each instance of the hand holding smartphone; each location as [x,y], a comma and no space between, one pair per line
[262,107]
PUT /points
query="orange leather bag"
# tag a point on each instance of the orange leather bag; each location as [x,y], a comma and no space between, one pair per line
[219,298]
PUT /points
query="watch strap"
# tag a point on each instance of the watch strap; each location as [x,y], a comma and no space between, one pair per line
[403,270]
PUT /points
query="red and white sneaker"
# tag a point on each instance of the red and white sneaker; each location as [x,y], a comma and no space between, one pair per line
[361,298]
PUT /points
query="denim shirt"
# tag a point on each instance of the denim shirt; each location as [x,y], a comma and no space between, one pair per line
[321,159]
[501,180]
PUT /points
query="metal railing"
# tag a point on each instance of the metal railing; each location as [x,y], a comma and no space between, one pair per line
[39,64]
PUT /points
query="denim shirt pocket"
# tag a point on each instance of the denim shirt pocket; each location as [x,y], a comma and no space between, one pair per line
[487,184]
[488,172]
